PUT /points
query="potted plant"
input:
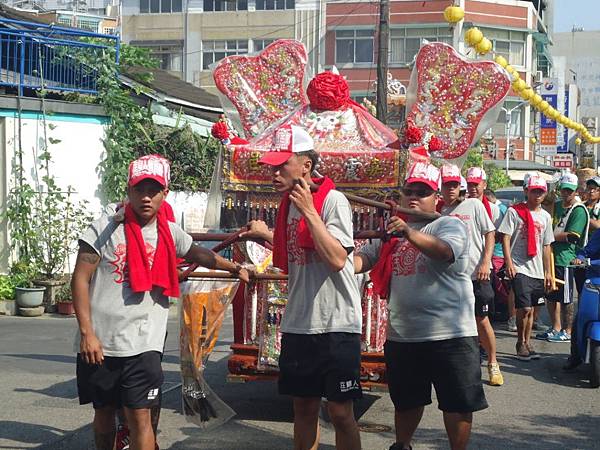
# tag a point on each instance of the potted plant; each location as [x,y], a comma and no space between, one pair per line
[8,305]
[64,302]
[27,294]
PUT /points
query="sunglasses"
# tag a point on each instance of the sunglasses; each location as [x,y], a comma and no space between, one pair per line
[421,193]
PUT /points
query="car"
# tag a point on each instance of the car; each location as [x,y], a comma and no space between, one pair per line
[510,195]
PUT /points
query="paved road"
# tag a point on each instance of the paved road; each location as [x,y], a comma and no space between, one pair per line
[538,408]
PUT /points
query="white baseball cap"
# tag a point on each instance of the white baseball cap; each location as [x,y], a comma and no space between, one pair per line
[288,139]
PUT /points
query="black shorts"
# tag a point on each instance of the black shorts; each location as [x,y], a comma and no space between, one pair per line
[451,366]
[564,294]
[529,292]
[484,297]
[132,381]
[320,365]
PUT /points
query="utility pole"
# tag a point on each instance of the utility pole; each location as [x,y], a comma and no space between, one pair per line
[382,59]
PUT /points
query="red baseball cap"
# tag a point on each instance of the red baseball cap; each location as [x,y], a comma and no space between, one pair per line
[450,172]
[537,182]
[288,139]
[476,175]
[421,172]
[154,167]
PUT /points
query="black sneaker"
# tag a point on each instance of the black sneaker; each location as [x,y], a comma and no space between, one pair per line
[398,446]
[572,364]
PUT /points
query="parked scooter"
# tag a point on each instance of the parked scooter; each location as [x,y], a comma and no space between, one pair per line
[588,321]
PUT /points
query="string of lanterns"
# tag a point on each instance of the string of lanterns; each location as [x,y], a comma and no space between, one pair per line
[475,39]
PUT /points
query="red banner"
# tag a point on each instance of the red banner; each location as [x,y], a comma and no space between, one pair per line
[378,169]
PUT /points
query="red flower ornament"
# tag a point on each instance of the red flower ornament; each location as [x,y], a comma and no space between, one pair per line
[328,91]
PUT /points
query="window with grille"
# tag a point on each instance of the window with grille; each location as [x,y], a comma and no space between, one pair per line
[508,43]
[213,51]
[354,46]
[225,5]
[160,6]
[406,42]
[260,44]
[271,5]
[170,57]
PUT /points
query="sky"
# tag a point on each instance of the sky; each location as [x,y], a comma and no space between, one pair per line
[583,13]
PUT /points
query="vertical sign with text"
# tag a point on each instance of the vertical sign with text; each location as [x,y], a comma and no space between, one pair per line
[548,137]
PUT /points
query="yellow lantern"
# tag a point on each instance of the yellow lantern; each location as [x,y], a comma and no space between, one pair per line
[454,14]
[562,119]
[500,60]
[543,107]
[527,94]
[473,36]
[555,114]
[484,46]
[578,141]
[519,85]
[536,100]
[533,140]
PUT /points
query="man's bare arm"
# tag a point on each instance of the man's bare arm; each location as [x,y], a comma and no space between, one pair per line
[86,265]
[210,260]
[362,264]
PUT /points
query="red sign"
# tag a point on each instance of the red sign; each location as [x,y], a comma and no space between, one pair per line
[562,161]
[548,136]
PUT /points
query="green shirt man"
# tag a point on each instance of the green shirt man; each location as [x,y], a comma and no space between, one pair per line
[572,220]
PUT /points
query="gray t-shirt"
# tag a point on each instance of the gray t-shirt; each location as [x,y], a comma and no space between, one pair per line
[430,300]
[513,225]
[126,323]
[320,300]
[472,212]
[496,214]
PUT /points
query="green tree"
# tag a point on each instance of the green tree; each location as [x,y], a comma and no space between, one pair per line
[497,178]
[132,133]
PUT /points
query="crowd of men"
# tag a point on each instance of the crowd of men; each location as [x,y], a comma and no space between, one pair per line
[454,267]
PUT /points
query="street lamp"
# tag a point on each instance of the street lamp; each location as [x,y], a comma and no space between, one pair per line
[508,113]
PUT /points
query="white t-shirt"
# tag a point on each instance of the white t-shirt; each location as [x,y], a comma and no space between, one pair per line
[126,323]
[513,226]
[430,300]
[472,212]
[319,299]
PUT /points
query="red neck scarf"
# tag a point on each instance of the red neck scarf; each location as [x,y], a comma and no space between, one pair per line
[280,256]
[163,272]
[486,204]
[381,273]
[525,215]
[440,204]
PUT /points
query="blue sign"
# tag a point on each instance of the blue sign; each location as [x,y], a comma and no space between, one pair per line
[565,147]
[552,101]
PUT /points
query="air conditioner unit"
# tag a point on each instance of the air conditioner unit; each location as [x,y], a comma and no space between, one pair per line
[538,77]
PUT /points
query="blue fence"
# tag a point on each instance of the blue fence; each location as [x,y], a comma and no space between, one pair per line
[37,56]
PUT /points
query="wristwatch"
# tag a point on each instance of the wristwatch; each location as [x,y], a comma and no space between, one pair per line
[238,267]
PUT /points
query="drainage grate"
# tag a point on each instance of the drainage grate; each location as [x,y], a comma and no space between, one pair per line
[367,427]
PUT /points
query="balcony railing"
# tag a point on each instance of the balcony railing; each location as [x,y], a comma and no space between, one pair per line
[36,56]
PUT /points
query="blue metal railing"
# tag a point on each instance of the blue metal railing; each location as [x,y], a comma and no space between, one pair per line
[38,56]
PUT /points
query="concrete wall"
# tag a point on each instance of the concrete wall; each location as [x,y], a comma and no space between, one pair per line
[582,54]
[304,23]
[75,158]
